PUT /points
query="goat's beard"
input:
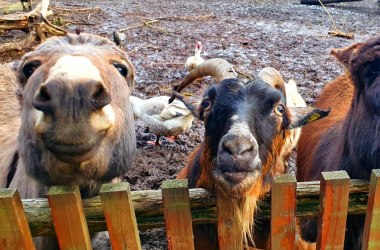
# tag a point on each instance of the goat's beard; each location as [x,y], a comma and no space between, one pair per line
[237,190]
[244,208]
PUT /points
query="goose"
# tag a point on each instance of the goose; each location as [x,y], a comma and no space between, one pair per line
[196,59]
[162,118]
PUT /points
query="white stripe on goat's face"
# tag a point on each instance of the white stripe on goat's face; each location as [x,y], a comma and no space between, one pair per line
[74,68]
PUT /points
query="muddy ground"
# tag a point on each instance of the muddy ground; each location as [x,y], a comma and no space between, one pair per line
[249,34]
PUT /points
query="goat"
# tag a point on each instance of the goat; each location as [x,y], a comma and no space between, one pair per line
[244,133]
[75,126]
[348,139]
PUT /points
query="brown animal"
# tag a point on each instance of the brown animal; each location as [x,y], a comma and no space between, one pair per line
[10,120]
[77,124]
[348,139]
[244,133]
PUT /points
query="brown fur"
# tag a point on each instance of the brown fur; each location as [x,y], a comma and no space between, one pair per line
[348,138]
[38,168]
[10,120]
[341,90]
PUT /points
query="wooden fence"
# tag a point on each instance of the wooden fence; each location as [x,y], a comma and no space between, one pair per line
[123,213]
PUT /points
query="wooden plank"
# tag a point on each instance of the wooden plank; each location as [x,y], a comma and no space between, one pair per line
[178,223]
[14,229]
[149,208]
[68,218]
[283,212]
[371,235]
[120,216]
[335,188]
[230,227]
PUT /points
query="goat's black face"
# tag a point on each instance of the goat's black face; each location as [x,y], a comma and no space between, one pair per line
[241,125]
[245,129]
[365,70]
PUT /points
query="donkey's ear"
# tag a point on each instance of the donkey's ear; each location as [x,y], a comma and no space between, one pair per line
[343,55]
[299,116]
[15,65]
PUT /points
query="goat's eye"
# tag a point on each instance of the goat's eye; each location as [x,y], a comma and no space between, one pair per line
[29,68]
[280,110]
[206,105]
[121,68]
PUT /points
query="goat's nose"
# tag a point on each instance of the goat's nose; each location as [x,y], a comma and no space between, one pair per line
[89,95]
[239,147]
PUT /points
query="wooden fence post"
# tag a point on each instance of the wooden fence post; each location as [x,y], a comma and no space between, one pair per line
[371,235]
[120,216]
[177,213]
[283,212]
[334,194]
[230,227]
[68,218]
[14,229]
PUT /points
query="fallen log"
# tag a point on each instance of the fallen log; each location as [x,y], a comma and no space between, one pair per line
[34,23]
[25,42]
[149,207]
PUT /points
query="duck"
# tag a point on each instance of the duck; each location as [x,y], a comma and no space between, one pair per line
[293,97]
[162,118]
[196,59]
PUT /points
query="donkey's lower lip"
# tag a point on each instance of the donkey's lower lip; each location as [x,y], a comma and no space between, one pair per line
[71,150]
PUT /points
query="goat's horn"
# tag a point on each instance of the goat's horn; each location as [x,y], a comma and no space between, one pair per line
[219,68]
[188,105]
[274,78]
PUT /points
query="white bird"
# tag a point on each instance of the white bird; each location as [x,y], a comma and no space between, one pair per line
[293,97]
[162,118]
[196,59]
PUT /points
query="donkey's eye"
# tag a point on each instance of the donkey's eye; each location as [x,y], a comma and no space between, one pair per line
[279,110]
[206,105]
[29,68]
[123,70]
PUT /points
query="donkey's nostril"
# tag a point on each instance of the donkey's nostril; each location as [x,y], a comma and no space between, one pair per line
[100,96]
[42,101]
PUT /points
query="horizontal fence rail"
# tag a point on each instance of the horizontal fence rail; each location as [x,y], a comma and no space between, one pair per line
[176,207]
[150,211]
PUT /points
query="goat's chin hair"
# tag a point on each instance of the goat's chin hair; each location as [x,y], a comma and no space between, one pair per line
[237,191]
[244,206]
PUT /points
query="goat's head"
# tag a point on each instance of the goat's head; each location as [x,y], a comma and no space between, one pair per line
[244,127]
[364,67]
[362,62]
[77,120]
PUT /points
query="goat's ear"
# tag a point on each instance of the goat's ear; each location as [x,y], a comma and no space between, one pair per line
[343,55]
[299,116]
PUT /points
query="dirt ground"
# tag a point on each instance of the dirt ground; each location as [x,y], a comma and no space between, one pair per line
[249,34]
